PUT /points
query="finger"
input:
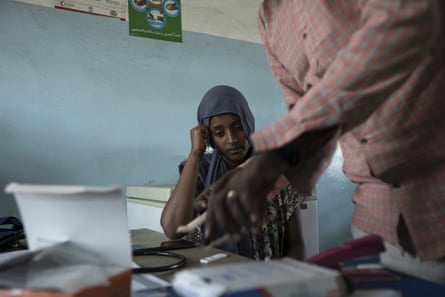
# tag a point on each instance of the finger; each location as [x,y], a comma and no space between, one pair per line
[239,213]
[217,212]
[226,215]
[254,214]
[204,132]
[252,199]
[201,202]
[223,216]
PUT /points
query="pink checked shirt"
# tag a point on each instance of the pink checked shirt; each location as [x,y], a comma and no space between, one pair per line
[375,69]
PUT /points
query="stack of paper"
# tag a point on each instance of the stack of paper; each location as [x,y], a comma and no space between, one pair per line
[284,278]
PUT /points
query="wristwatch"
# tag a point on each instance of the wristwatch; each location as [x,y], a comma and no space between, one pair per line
[288,154]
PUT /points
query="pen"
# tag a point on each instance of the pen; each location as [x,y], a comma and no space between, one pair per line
[195,223]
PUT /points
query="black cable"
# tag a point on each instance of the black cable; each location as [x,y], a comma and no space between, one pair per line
[176,265]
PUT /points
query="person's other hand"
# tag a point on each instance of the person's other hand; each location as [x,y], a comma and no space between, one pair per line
[236,201]
[200,203]
[199,137]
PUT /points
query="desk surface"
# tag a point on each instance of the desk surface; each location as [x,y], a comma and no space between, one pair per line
[141,238]
[409,286]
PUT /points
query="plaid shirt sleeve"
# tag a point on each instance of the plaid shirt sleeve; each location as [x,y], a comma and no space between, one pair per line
[388,41]
[292,91]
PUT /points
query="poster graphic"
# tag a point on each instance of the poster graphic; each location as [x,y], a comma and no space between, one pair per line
[159,19]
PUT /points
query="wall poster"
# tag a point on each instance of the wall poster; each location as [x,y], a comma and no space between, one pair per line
[110,8]
[159,19]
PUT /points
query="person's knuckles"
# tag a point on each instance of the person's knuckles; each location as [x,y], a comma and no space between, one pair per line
[240,215]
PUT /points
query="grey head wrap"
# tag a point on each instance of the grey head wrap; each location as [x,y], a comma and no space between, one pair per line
[219,100]
[225,99]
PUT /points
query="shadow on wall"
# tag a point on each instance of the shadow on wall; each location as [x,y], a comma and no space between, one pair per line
[334,192]
[31,170]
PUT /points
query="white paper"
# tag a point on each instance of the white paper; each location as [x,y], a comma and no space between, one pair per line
[62,267]
[92,217]
[376,293]
[280,277]
[147,284]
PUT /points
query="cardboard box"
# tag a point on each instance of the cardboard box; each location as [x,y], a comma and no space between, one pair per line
[119,286]
[93,218]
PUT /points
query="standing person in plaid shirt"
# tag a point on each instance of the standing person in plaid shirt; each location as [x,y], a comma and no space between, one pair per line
[369,75]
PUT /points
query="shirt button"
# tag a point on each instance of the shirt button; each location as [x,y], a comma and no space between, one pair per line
[363,140]
[304,35]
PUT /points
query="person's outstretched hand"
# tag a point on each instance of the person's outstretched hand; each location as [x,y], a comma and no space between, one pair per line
[236,202]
